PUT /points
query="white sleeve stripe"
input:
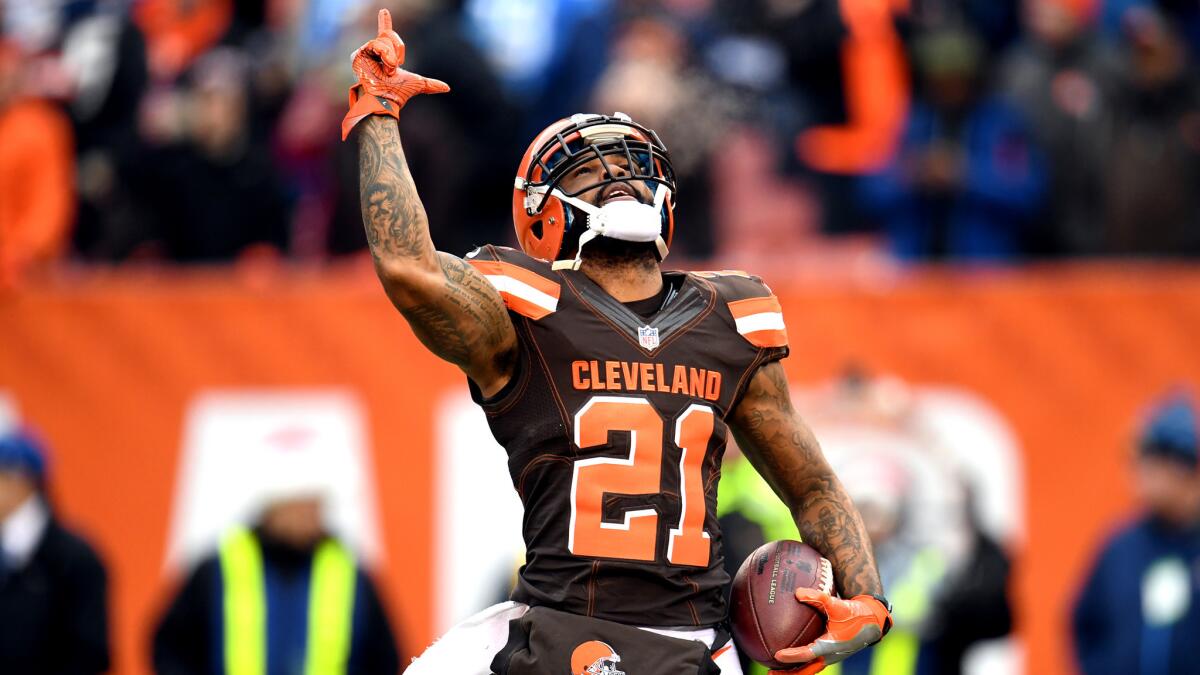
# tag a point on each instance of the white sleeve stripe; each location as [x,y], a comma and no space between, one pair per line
[522,290]
[760,321]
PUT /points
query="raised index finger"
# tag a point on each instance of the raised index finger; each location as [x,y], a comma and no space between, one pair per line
[385,21]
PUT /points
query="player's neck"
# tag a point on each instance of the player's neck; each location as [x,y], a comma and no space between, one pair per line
[626,283]
[627,273]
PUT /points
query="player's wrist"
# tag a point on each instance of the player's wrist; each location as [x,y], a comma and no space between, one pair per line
[880,607]
[364,104]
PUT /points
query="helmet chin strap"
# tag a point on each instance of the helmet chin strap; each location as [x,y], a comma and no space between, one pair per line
[627,220]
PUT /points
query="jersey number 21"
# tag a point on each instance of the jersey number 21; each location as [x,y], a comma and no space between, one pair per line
[640,473]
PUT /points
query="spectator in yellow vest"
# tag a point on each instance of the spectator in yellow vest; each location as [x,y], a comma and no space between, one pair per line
[283,597]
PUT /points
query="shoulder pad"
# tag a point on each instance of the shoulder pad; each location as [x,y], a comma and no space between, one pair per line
[527,285]
[506,254]
[755,309]
[736,284]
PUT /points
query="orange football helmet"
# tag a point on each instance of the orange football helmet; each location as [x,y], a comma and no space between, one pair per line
[547,228]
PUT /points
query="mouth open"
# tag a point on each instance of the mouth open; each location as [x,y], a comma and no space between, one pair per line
[618,193]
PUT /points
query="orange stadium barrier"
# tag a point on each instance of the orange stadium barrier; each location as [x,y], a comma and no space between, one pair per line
[106,363]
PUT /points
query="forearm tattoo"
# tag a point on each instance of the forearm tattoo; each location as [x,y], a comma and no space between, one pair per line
[452,309]
[784,449]
[392,212]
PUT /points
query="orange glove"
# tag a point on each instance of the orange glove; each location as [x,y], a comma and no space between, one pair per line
[383,87]
[851,625]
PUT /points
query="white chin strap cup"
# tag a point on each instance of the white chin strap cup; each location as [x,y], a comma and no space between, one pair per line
[627,220]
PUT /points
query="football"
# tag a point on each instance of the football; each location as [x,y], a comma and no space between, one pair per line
[764,612]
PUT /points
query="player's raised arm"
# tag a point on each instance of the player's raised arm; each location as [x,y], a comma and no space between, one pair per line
[783,449]
[450,306]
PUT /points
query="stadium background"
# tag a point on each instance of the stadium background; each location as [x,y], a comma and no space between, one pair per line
[128,298]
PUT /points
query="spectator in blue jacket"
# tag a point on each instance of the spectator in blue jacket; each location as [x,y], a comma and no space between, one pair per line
[1139,611]
[967,178]
[53,585]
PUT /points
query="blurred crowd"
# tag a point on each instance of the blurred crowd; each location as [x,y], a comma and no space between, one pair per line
[1000,130]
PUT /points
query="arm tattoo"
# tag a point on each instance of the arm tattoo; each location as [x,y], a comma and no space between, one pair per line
[466,320]
[452,309]
[392,212]
[784,450]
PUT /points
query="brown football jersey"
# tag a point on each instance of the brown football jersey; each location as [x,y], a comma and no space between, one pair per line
[614,428]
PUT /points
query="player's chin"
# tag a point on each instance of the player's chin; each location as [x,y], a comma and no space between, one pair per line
[619,249]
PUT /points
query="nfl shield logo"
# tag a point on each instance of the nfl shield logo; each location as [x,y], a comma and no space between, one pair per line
[648,337]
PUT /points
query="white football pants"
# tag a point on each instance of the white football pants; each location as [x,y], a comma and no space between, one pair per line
[469,647]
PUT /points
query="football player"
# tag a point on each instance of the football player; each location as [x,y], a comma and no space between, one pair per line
[612,383]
